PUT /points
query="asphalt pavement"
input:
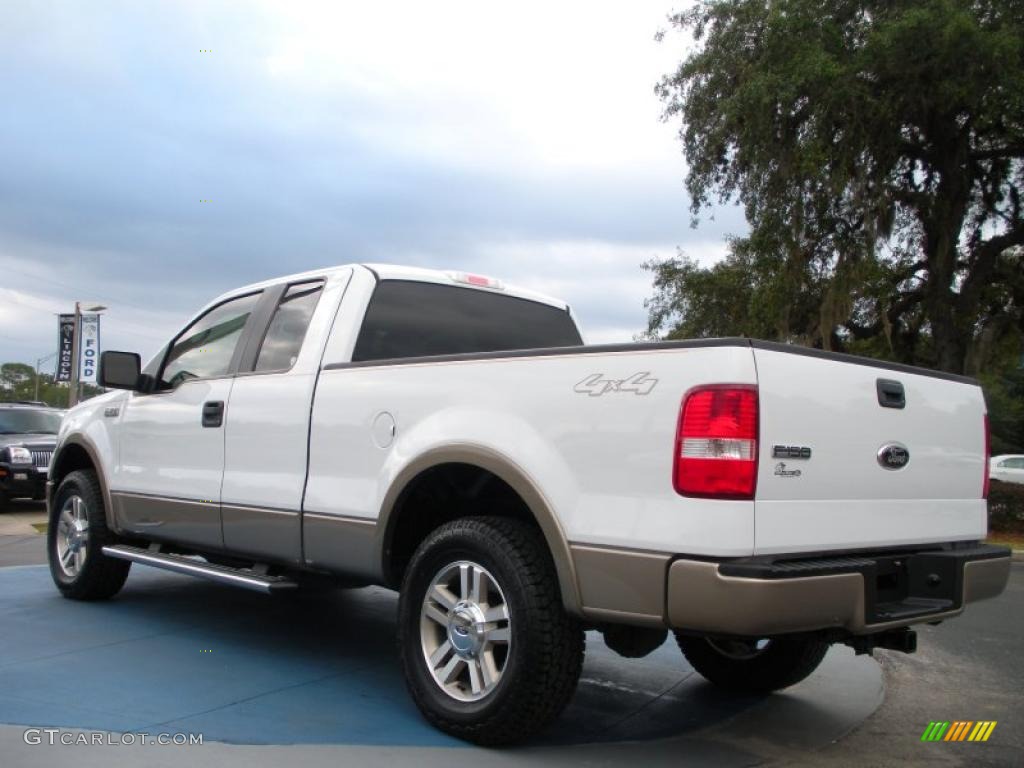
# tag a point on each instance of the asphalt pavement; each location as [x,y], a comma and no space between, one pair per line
[970,668]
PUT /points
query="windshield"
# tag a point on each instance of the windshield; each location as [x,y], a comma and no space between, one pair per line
[25,421]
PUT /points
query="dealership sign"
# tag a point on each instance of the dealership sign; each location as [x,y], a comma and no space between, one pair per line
[89,347]
[65,347]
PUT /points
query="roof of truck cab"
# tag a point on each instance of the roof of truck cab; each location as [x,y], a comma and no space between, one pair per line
[312,274]
[448,277]
[398,272]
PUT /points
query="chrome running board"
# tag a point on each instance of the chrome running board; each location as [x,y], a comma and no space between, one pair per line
[236,577]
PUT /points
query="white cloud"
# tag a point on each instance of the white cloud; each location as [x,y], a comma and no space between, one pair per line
[520,141]
[550,85]
[28,316]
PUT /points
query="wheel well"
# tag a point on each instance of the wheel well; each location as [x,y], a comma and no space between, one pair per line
[72,458]
[437,496]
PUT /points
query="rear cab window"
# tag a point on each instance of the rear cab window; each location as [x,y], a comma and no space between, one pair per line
[417,319]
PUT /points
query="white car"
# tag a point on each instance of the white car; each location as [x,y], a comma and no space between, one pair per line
[1008,469]
[449,436]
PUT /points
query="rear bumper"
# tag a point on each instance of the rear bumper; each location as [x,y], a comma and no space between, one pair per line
[862,594]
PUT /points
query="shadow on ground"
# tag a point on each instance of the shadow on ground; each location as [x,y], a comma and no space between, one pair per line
[174,654]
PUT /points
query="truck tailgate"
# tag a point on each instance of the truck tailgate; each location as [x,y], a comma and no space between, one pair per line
[926,488]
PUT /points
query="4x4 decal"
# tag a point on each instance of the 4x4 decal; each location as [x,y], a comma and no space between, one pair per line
[596,384]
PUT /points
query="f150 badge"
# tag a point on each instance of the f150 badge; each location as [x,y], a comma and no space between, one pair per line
[596,384]
[791,452]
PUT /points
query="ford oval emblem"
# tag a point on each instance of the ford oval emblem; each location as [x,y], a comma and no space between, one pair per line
[893,456]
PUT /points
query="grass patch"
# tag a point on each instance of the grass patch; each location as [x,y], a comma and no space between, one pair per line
[1012,540]
[40,527]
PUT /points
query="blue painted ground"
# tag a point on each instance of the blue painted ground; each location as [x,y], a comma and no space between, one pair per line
[172,653]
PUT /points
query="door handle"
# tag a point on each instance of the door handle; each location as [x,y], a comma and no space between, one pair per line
[213,413]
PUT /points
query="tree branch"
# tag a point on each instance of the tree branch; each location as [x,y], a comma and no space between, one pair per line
[1008,152]
[986,257]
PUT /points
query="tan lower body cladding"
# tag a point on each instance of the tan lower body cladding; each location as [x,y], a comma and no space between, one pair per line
[621,586]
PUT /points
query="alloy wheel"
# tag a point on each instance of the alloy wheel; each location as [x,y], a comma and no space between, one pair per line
[465,631]
[72,536]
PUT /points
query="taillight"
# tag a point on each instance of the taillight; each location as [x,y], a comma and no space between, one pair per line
[716,443]
[988,459]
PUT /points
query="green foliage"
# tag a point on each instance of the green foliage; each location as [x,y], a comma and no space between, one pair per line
[18,382]
[13,375]
[1004,393]
[878,151]
[1006,508]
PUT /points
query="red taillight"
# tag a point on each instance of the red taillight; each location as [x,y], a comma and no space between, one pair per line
[716,443]
[988,459]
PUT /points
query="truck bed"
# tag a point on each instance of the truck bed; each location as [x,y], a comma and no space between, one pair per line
[595,427]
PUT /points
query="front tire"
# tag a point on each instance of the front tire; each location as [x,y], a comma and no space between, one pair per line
[75,537]
[488,651]
[754,666]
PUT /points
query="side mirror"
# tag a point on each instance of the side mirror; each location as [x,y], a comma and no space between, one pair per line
[120,370]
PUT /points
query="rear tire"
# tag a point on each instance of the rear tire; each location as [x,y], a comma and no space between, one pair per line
[494,663]
[746,666]
[75,537]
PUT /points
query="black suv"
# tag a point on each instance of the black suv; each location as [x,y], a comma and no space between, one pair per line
[28,434]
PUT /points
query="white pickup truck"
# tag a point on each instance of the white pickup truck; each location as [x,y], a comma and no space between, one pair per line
[450,437]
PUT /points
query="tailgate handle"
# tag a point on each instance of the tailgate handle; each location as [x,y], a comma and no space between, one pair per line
[891,394]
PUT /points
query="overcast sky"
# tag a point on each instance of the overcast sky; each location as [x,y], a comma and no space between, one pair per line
[521,141]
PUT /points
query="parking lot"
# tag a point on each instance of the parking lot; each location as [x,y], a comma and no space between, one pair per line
[312,679]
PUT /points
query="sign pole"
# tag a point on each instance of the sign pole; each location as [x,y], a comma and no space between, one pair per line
[39,365]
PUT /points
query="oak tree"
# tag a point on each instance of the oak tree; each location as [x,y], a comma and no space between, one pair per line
[878,151]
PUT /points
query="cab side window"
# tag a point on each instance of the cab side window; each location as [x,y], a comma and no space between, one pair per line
[205,349]
[281,345]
